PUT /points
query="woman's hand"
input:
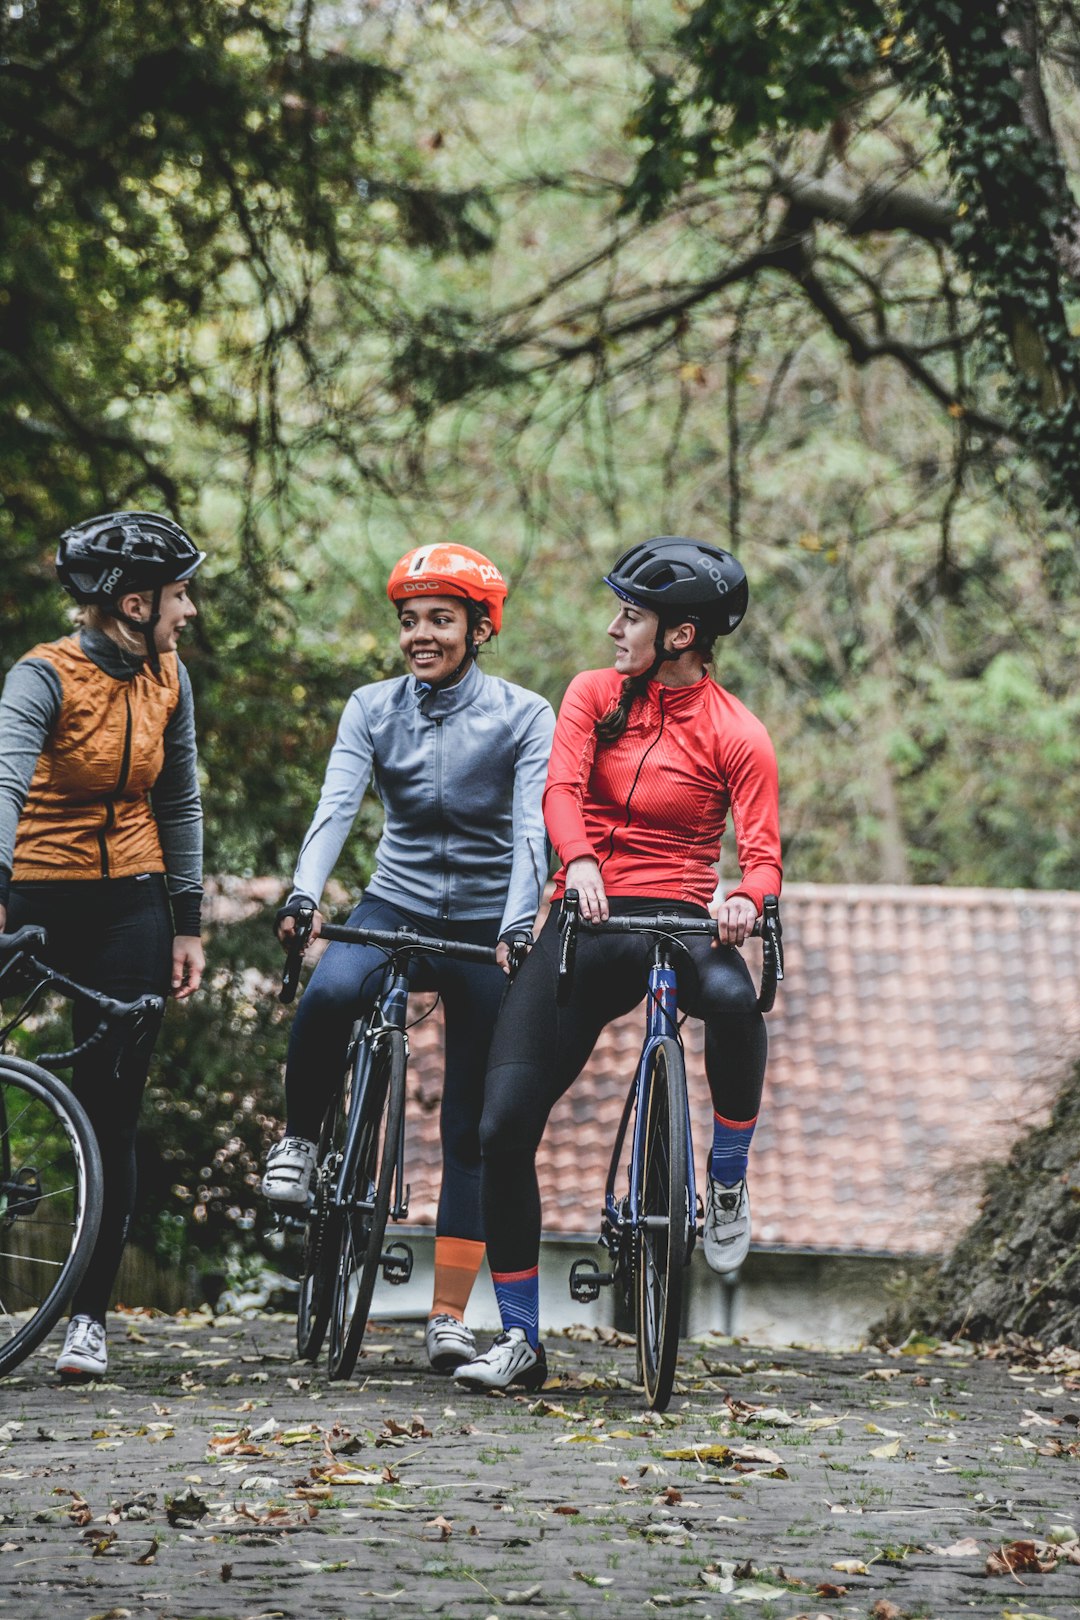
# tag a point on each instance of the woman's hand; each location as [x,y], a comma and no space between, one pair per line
[584,876]
[286,927]
[735,919]
[188,965]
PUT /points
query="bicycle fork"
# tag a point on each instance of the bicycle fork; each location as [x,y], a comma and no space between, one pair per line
[397,1257]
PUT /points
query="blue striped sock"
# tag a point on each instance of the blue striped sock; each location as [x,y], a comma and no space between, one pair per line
[518,1294]
[730,1147]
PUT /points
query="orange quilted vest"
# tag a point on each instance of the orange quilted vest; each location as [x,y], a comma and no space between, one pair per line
[88,814]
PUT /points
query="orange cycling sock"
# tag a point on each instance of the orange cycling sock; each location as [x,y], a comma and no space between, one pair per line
[457,1260]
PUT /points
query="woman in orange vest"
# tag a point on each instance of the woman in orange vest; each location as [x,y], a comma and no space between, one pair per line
[101,831]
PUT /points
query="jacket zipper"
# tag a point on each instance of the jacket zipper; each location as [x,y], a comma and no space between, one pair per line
[444,899]
[634,783]
[121,784]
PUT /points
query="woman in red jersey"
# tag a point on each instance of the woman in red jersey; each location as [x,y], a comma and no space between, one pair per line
[649,760]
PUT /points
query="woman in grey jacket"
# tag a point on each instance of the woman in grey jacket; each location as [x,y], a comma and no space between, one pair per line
[459,760]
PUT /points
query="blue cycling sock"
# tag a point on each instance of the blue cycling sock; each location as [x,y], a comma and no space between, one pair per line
[518,1294]
[730,1147]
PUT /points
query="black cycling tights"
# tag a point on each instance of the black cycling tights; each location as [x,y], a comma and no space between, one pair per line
[114,935]
[539,1049]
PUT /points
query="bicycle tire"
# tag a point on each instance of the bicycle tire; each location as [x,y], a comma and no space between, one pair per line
[362,1231]
[51,1189]
[321,1234]
[660,1247]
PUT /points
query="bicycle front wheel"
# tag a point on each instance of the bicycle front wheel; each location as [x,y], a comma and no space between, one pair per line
[50,1204]
[363,1220]
[322,1232]
[660,1244]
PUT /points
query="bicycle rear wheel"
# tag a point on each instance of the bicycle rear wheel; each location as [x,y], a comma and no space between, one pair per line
[322,1232]
[50,1204]
[360,1247]
[660,1243]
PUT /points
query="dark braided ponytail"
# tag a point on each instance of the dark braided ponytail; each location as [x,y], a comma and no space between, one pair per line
[610,727]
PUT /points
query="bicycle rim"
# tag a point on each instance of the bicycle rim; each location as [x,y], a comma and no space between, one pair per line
[660,1245]
[360,1246]
[50,1204]
[319,1250]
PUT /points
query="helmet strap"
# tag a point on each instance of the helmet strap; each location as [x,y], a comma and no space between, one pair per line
[147,629]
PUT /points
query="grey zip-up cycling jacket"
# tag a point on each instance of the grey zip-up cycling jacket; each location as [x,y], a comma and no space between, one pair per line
[460,773]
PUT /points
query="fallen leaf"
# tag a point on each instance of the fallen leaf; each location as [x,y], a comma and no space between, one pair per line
[850,1566]
[525,1594]
[1021,1558]
[892,1449]
[967,1548]
[444,1527]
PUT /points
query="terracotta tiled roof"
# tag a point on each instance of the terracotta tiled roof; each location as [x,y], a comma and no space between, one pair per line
[918,1031]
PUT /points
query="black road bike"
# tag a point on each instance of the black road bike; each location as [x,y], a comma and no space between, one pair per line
[359,1181]
[51,1186]
[649,1229]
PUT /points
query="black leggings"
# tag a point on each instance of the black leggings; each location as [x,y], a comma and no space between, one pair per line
[344,986]
[539,1050]
[114,935]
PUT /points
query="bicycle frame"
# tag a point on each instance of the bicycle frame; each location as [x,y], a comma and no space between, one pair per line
[623,1217]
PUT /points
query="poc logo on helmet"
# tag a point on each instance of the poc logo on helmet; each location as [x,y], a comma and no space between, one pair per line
[112,578]
[715,575]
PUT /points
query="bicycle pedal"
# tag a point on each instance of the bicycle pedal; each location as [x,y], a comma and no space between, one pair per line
[397,1263]
[289,1223]
[586,1281]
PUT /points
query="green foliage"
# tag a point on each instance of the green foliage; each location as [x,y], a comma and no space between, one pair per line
[750,70]
[1015,208]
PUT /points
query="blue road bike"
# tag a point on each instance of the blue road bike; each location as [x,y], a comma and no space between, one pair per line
[650,1226]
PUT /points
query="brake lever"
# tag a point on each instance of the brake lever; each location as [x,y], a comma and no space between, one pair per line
[290,978]
[568,921]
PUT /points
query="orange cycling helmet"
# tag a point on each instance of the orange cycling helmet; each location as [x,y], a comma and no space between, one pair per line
[447,569]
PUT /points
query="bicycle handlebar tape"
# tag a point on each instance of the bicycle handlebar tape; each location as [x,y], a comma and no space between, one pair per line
[568,921]
[290,978]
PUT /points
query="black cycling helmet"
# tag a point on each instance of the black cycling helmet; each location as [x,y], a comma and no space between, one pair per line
[684,579]
[106,557]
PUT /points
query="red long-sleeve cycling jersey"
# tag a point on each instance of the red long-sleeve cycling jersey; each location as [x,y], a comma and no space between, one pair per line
[652,806]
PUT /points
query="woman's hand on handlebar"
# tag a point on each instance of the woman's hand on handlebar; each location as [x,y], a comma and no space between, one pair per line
[286,927]
[584,876]
[188,965]
[735,919]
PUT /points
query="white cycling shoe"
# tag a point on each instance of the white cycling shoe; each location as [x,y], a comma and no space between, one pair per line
[290,1165]
[511,1363]
[84,1354]
[727,1225]
[449,1343]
